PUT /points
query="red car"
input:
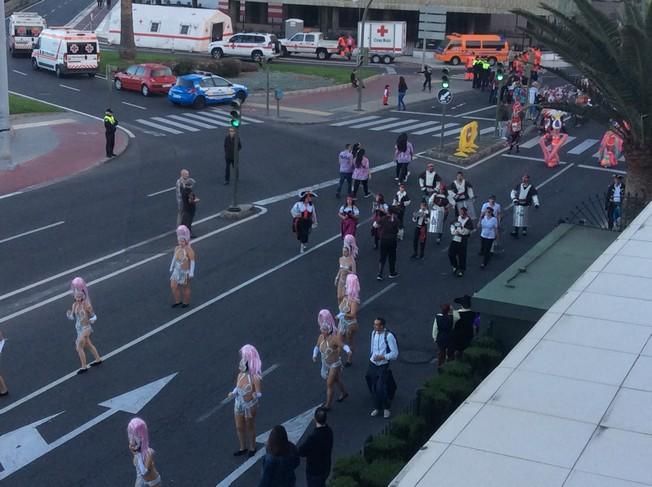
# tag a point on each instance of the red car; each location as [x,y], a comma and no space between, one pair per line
[147,78]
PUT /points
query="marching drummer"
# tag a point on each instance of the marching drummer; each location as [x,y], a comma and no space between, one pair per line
[438,205]
[523,196]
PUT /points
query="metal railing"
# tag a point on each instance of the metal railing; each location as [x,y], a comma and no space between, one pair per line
[597,212]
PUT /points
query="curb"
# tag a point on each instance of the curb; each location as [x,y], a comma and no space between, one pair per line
[324,89]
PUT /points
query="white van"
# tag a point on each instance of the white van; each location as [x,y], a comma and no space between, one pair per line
[66,51]
[24,28]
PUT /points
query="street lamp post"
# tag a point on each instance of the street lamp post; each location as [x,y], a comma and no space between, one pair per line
[5,122]
[361,51]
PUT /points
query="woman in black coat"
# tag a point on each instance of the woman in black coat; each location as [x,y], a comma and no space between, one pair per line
[280,461]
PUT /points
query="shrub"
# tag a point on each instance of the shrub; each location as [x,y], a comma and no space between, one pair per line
[409,428]
[456,388]
[434,408]
[386,447]
[229,68]
[350,466]
[457,369]
[485,341]
[380,473]
[343,482]
[185,66]
[482,360]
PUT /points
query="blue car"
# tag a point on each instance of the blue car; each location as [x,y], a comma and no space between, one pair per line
[203,89]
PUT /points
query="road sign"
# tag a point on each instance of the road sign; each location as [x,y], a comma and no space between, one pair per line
[444,96]
[432,23]
[22,446]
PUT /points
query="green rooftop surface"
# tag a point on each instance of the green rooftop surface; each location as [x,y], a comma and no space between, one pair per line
[530,286]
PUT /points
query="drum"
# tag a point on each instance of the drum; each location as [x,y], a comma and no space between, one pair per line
[437,217]
[521,215]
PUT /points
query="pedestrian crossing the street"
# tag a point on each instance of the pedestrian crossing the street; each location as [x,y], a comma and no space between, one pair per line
[189,122]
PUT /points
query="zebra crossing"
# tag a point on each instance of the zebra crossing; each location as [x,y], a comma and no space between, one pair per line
[573,146]
[412,126]
[189,122]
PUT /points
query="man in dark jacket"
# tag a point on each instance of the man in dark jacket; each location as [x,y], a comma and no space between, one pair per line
[110,126]
[388,227]
[318,448]
[229,153]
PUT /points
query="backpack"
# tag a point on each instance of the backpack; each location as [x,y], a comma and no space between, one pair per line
[389,332]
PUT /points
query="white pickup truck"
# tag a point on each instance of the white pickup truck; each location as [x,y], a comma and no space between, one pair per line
[309,43]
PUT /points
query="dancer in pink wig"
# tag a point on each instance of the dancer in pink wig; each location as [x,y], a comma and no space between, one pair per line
[83,315]
[348,315]
[347,265]
[182,268]
[146,473]
[247,393]
[329,346]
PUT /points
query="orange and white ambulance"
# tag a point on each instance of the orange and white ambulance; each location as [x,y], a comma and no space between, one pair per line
[66,51]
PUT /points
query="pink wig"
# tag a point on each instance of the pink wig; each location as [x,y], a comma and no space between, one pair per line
[138,435]
[250,355]
[78,285]
[326,321]
[353,287]
[349,243]
[183,233]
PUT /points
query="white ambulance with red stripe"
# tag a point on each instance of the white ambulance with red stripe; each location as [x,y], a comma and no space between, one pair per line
[66,51]
[24,29]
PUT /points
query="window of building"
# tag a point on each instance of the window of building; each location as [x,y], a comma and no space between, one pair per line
[154,26]
[184,30]
[256,13]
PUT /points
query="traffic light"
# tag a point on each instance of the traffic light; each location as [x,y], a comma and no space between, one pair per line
[235,113]
[499,72]
[444,78]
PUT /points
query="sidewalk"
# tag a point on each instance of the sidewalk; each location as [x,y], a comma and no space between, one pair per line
[50,147]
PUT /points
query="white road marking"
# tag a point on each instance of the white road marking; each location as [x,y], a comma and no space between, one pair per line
[175,124]
[178,319]
[466,168]
[126,131]
[219,119]
[62,121]
[435,129]
[487,130]
[542,184]
[479,118]
[208,119]
[412,128]
[395,124]
[161,192]
[604,169]
[69,87]
[530,143]
[355,120]
[377,295]
[449,132]
[427,114]
[373,122]
[192,122]
[124,251]
[289,109]
[9,195]
[19,72]
[587,144]
[476,111]
[40,229]
[158,126]
[227,400]
[530,158]
[132,105]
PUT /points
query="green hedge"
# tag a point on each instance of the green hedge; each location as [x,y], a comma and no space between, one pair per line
[385,454]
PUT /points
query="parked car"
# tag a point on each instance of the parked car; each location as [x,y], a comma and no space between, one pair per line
[201,89]
[309,43]
[147,78]
[250,45]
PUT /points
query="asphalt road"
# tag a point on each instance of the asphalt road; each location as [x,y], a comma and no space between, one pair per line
[251,285]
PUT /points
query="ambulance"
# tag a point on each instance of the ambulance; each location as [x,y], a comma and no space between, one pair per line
[66,51]
[24,29]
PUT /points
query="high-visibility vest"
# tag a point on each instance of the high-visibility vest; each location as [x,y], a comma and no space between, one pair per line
[485,64]
[109,118]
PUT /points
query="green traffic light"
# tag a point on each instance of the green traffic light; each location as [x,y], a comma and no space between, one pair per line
[499,76]
[444,81]
[235,122]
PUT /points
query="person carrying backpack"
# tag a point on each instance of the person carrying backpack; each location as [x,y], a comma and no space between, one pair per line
[379,377]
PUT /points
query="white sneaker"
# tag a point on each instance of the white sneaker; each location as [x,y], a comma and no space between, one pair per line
[374,413]
[387,413]
[302,249]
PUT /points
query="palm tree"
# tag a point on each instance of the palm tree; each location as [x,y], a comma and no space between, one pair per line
[127,43]
[614,55]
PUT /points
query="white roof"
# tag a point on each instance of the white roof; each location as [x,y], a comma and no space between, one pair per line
[571,405]
[179,14]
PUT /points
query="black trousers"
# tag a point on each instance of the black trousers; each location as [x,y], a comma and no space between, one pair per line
[416,244]
[316,480]
[401,171]
[229,163]
[348,177]
[457,255]
[110,143]
[387,252]
[356,185]
[427,82]
[377,381]
[485,249]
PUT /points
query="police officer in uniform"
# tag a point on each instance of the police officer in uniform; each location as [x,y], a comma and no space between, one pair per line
[110,126]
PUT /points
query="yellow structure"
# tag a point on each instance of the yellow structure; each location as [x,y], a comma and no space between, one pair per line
[468,134]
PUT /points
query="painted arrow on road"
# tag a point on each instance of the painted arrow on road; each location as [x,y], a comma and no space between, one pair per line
[295,427]
[21,447]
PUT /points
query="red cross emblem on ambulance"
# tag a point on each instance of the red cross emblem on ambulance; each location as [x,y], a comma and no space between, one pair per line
[382,31]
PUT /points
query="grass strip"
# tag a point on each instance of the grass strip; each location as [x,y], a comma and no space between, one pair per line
[18,105]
